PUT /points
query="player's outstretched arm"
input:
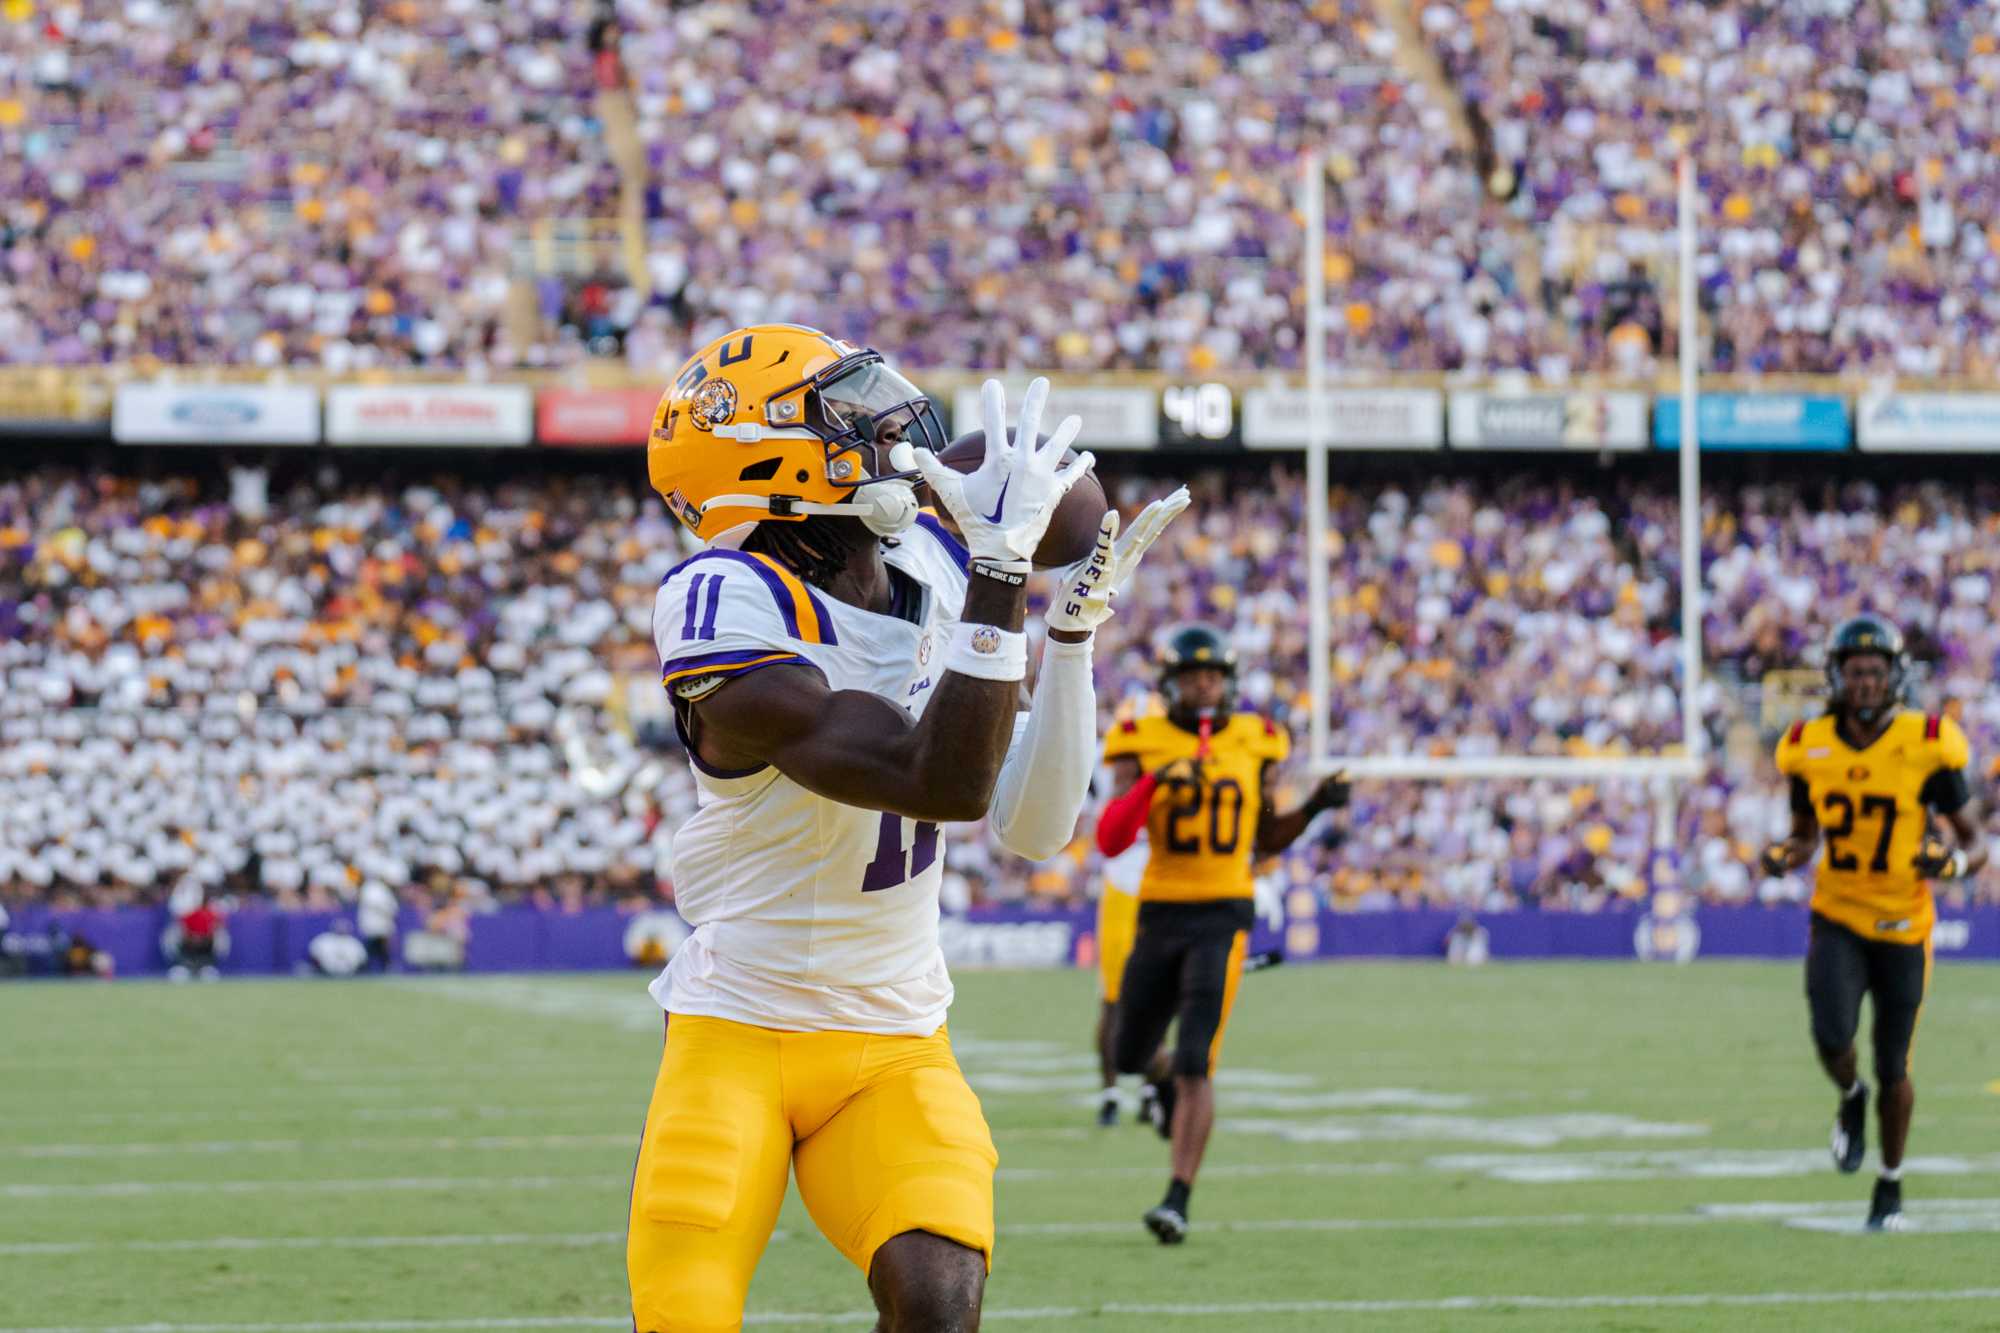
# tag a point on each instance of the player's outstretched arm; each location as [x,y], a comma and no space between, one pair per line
[1275,831]
[859,748]
[1799,846]
[1046,776]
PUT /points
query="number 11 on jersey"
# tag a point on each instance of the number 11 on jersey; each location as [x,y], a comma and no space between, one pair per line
[892,865]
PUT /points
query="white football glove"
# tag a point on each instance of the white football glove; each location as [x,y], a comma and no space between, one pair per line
[1004,507]
[1082,600]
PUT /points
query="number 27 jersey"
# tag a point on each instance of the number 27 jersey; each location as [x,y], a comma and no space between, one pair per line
[809,914]
[1202,833]
[1873,805]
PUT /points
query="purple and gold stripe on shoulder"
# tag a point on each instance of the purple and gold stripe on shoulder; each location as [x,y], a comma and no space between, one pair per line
[724,664]
[953,547]
[805,615]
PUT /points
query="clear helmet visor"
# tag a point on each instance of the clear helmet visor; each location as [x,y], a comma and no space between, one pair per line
[870,408]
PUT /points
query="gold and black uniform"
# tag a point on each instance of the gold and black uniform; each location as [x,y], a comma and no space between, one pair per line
[1195,898]
[1872,911]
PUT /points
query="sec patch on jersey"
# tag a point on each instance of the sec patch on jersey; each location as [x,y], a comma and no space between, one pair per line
[1072,530]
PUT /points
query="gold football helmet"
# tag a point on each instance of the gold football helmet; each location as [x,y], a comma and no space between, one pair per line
[779,421]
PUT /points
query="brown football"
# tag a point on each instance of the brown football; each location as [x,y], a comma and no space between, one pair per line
[1072,528]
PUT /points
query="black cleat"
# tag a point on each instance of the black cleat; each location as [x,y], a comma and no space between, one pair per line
[1850,1131]
[1167,1224]
[1885,1210]
[1160,1107]
[1107,1113]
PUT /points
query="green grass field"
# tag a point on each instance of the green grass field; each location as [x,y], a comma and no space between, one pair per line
[1401,1147]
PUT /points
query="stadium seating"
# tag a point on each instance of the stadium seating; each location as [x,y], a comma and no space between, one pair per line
[961,193]
[1851,194]
[450,686]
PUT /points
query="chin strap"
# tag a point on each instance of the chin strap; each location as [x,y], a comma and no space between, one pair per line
[886,508]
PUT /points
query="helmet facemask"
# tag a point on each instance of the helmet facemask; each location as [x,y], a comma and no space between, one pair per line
[1874,692]
[1190,713]
[1866,637]
[861,410]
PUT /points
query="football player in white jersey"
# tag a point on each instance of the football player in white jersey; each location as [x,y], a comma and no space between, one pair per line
[846,674]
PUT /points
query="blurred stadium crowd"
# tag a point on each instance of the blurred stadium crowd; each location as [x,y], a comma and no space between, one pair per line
[450,688]
[1064,184]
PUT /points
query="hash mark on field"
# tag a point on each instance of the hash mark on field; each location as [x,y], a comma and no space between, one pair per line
[1421,1305]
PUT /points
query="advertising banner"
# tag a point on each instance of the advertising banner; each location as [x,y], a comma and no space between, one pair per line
[1114,417]
[1928,423]
[515,939]
[1757,421]
[1277,418]
[1481,420]
[594,416]
[215,414]
[473,415]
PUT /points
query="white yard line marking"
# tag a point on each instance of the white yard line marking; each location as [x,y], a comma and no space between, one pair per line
[113,1189]
[1683,1164]
[1426,1305]
[1529,1131]
[190,1245]
[1931,1215]
[478,1240]
[313,1103]
[1224,1169]
[479,1143]
[623,1181]
[1386,1223]
[1780,1210]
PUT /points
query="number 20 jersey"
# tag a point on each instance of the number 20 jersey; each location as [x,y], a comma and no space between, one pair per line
[809,914]
[1201,834]
[1873,805]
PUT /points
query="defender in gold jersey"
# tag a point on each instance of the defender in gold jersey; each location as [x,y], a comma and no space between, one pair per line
[1198,780]
[1867,777]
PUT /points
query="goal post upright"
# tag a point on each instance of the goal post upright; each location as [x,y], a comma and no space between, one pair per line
[1693,737]
[1312,186]
[1667,776]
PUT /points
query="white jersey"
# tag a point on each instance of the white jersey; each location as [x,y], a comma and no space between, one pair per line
[808,914]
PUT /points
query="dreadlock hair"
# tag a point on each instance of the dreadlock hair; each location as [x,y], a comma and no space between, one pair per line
[815,548]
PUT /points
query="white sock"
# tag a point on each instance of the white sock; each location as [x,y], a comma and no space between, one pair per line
[1858,1086]
[1892,1173]
[1108,1095]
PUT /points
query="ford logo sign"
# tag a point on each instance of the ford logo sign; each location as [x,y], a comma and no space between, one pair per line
[215,413]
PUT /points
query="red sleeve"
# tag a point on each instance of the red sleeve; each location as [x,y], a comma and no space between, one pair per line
[1119,823]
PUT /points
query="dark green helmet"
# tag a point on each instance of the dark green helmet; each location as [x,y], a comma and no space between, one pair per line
[1866,634]
[1185,649]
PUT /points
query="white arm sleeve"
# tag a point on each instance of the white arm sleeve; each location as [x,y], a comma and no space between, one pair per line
[1046,775]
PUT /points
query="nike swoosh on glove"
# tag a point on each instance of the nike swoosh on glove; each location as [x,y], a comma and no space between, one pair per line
[1003,507]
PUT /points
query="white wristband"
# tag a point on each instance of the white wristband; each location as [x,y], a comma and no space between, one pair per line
[986,651]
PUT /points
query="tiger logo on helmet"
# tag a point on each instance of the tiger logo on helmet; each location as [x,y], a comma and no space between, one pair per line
[780,421]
